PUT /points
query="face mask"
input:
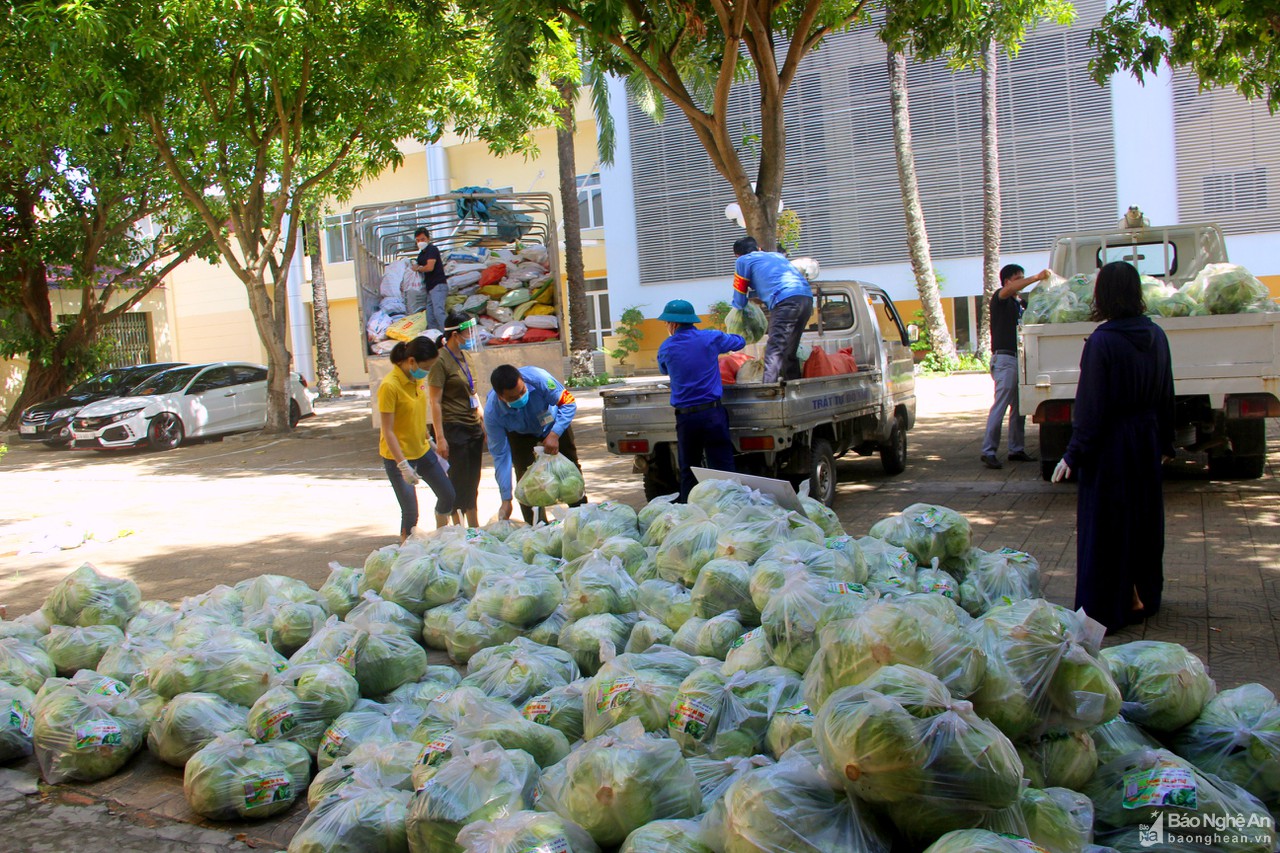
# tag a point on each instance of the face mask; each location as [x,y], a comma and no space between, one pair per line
[422,244]
[419,373]
[521,401]
[468,344]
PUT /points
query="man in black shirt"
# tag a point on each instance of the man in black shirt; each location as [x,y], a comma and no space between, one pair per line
[1006,309]
[434,283]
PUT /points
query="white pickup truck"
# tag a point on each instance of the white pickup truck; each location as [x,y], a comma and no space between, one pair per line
[797,429]
[1226,368]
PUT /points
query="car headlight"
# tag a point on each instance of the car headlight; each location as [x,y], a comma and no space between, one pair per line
[64,413]
[124,416]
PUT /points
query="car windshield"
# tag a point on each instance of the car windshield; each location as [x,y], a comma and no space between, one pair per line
[112,381]
[167,382]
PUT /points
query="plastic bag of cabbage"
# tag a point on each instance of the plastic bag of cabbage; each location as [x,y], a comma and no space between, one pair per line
[190,721]
[526,832]
[74,649]
[519,670]
[86,597]
[235,777]
[635,686]
[24,664]
[302,702]
[729,716]
[1000,577]
[616,783]
[236,666]
[371,765]
[1163,685]
[927,532]
[1237,737]
[367,722]
[484,782]
[900,740]
[551,479]
[87,727]
[749,322]
[355,819]
[17,721]
[1230,289]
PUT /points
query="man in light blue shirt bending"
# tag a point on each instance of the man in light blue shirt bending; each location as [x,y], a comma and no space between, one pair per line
[786,294]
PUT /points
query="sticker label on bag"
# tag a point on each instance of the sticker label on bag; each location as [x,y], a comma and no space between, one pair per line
[1166,784]
[615,694]
[1014,556]
[1025,843]
[97,733]
[108,687]
[690,716]
[746,638]
[434,751]
[263,789]
[800,710]
[930,518]
[843,588]
[537,710]
[332,742]
[559,844]
[347,657]
[20,718]
[278,722]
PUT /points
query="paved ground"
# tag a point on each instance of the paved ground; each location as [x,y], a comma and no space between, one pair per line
[179,522]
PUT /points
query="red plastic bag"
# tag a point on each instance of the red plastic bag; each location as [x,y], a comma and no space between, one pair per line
[848,363]
[493,274]
[819,364]
[729,365]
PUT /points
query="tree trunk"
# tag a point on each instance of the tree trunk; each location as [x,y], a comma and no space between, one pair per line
[580,340]
[917,236]
[270,316]
[327,384]
[42,382]
[990,201]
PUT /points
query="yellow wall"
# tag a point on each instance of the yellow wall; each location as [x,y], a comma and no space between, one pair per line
[1273,284]
[211,315]
[13,372]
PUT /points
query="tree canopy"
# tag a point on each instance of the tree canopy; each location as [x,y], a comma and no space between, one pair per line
[1225,43]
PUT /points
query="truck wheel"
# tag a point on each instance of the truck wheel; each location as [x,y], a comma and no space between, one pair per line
[1046,469]
[893,453]
[822,471]
[660,478]
[1247,458]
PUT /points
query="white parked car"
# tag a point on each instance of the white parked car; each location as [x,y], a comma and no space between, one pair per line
[195,401]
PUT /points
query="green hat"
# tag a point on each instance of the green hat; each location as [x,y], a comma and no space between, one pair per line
[679,311]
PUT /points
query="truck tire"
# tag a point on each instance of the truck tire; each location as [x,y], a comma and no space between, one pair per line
[1243,461]
[660,476]
[822,471]
[893,453]
[1046,469]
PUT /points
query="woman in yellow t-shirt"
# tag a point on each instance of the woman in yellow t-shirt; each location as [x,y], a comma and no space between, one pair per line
[406,454]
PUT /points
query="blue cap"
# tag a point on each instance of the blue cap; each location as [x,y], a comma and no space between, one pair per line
[679,311]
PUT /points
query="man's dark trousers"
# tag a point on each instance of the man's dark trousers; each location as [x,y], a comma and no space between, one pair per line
[699,434]
[787,322]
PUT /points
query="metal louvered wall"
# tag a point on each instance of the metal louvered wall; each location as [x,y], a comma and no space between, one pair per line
[1056,148]
[1228,159]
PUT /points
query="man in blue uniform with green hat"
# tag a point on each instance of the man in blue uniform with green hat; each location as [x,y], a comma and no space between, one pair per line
[691,358]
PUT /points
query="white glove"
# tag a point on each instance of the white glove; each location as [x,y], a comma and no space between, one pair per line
[1061,472]
[406,470]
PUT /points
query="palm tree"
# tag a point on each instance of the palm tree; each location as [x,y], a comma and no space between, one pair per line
[581,343]
[327,383]
[990,200]
[917,236]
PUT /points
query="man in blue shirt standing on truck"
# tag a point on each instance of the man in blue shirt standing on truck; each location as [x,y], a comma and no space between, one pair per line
[691,357]
[526,407]
[786,294]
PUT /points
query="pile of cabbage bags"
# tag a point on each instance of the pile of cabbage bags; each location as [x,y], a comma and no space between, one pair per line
[721,675]
[1216,289]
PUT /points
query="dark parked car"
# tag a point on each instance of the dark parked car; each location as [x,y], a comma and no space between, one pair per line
[50,421]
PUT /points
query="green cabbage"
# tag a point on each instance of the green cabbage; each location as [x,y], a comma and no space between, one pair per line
[789,726]
[437,680]
[520,669]
[723,585]
[547,632]
[545,539]
[417,583]
[551,479]
[526,596]
[302,702]
[729,716]
[980,841]
[587,638]
[435,623]
[17,721]
[255,593]
[1001,577]
[665,601]
[1237,737]
[87,728]
[374,609]
[1059,760]
[927,531]
[232,665]
[672,516]
[666,836]
[373,764]
[356,819]
[1058,819]
[387,659]
[499,722]
[686,549]
[587,527]
[791,620]
[1230,289]
[749,322]
[646,634]
[466,637]
[635,686]
[484,782]
[378,565]
[367,722]
[722,497]
[712,637]
[600,587]
[630,551]
[74,649]
[85,597]
[190,721]
[560,708]
[25,631]
[1164,686]
[341,591]
[234,777]
[526,832]
[616,783]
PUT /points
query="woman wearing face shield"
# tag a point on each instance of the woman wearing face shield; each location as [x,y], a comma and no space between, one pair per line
[455,412]
[406,455]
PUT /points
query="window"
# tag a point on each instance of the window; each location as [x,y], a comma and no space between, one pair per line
[245,375]
[215,377]
[597,290]
[339,239]
[128,338]
[835,310]
[590,203]
[1148,258]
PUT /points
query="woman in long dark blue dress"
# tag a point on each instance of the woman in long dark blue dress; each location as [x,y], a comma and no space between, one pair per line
[1122,428]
